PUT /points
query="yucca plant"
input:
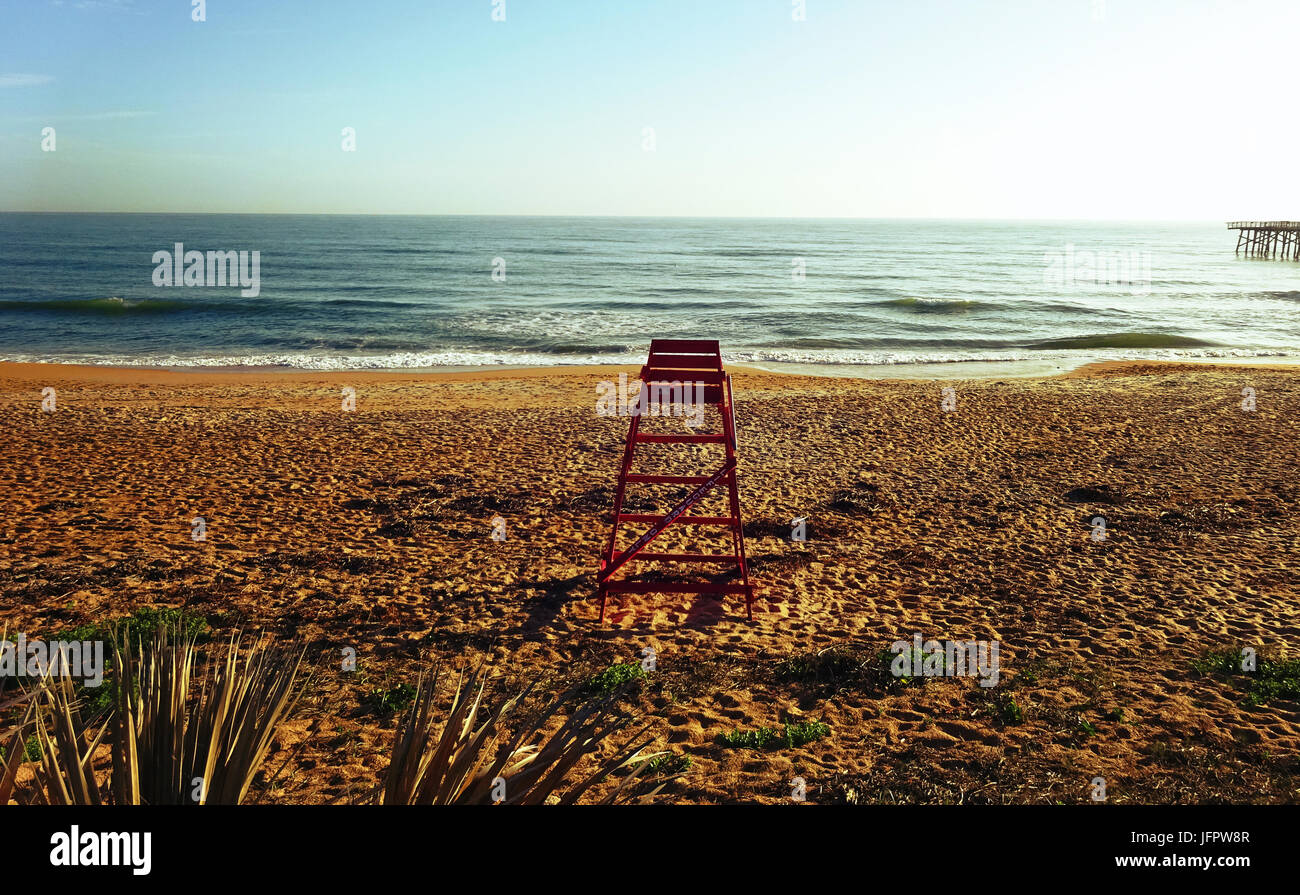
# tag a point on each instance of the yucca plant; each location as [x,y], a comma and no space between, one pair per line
[163,744]
[13,742]
[174,737]
[470,760]
[65,773]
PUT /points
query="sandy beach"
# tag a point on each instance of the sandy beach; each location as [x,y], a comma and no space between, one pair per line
[371,530]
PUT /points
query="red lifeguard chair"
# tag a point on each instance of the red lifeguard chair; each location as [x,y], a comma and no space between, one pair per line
[694,368]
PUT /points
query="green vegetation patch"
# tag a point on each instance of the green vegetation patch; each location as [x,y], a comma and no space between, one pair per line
[1269,680]
[615,678]
[669,764]
[839,668]
[788,736]
[139,627]
[391,701]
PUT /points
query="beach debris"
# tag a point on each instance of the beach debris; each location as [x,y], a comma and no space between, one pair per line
[1095,494]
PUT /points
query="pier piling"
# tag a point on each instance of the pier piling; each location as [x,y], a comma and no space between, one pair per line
[1268,239]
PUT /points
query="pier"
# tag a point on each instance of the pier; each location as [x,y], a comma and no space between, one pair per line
[1268,239]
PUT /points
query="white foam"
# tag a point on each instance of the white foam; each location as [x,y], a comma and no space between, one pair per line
[472,359]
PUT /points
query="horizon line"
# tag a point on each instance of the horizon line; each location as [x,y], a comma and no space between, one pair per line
[702,217]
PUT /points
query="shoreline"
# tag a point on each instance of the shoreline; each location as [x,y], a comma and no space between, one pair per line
[21,371]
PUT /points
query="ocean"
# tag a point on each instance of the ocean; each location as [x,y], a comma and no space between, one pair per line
[841,296]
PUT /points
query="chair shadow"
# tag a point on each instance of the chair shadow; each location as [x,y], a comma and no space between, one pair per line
[544,610]
[704,611]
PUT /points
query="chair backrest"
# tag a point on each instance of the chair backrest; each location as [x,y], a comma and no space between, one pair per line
[687,360]
[685,354]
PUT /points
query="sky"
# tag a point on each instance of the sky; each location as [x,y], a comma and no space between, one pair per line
[1023,109]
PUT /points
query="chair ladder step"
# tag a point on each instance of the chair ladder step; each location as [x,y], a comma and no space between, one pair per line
[711,438]
[650,478]
[686,557]
[674,587]
[680,520]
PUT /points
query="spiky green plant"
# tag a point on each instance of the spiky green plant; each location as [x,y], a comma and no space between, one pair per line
[173,737]
[13,743]
[164,744]
[65,773]
[470,759]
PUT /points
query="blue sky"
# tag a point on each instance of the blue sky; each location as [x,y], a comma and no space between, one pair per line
[1105,109]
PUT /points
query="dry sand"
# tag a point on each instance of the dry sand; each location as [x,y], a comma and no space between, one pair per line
[371,530]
